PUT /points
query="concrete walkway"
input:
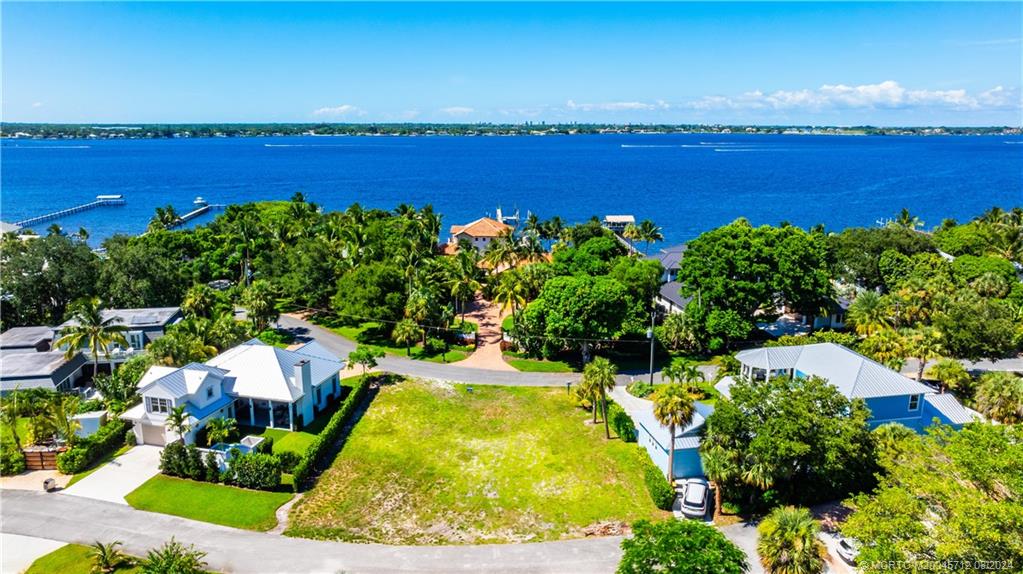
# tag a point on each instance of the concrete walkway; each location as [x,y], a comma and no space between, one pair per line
[488,317]
[115,479]
[33,480]
[17,552]
[84,520]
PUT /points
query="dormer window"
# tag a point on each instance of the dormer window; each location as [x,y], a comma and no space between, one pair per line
[209,392]
[914,402]
[158,405]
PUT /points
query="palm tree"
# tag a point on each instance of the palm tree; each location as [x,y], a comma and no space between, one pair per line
[758,474]
[406,332]
[465,277]
[417,308]
[89,329]
[511,291]
[950,373]
[720,467]
[631,233]
[673,407]
[649,232]
[200,300]
[686,373]
[532,225]
[905,220]
[106,557]
[245,229]
[991,284]
[177,420]
[599,375]
[60,415]
[54,229]
[923,344]
[789,544]
[1000,397]
[887,347]
[503,251]
[868,314]
[220,430]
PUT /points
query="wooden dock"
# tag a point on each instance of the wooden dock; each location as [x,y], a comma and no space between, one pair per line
[203,209]
[101,201]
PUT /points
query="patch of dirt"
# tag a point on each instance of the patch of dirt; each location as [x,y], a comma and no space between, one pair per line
[605,528]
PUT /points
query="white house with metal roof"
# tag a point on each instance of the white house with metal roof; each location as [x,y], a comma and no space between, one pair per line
[891,397]
[255,383]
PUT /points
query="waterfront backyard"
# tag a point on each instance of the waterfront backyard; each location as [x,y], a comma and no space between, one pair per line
[435,463]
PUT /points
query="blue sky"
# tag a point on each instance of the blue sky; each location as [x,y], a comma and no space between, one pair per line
[844,64]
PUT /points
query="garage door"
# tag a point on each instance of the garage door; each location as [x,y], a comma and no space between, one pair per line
[153,434]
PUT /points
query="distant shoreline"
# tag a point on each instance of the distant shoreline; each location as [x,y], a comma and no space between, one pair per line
[36,131]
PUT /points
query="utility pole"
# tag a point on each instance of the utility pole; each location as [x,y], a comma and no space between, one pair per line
[650,335]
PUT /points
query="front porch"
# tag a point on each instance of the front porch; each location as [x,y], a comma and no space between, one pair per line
[265,413]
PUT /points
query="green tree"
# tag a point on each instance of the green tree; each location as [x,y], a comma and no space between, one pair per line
[856,252]
[220,430]
[406,333]
[788,542]
[868,314]
[684,372]
[951,374]
[201,301]
[679,547]
[887,347]
[599,375]
[373,290]
[42,277]
[673,408]
[260,303]
[60,416]
[721,468]
[632,234]
[89,330]
[1000,396]
[141,272]
[923,344]
[945,499]
[364,356]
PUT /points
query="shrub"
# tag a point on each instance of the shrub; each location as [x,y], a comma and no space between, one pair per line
[679,547]
[212,468]
[640,389]
[11,460]
[266,446]
[172,459]
[72,461]
[288,459]
[174,558]
[621,422]
[129,437]
[86,451]
[657,485]
[433,346]
[330,433]
[194,467]
[257,470]
[89,406]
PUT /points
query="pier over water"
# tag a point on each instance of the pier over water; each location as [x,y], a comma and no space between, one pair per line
[101,201]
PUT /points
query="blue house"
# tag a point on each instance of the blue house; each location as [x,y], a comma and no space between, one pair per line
[890,396]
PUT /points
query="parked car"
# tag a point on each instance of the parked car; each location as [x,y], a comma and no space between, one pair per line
[848,549]
[694,498]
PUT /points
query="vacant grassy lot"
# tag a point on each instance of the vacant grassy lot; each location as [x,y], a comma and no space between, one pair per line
[431,463]
[70,559]
[208,502]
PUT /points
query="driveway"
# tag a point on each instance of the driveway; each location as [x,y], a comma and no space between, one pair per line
[115,479]
[17,552]
[83,521]
[487,355]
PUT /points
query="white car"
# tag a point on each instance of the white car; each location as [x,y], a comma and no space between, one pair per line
[694,498]
[848,549]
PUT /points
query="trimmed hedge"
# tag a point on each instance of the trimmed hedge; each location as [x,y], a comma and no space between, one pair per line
[330,433]
[621,422]
[657,484]
[88,450]
[256,470]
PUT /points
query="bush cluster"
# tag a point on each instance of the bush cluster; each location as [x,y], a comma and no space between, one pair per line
[88,450]
[255,470]
[183,461]
[621,422]
[11,459]
[330,433]
[657,484]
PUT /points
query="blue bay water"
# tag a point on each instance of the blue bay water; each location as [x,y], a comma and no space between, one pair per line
[687,183]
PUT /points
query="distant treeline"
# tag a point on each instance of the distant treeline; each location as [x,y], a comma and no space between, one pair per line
[140,131]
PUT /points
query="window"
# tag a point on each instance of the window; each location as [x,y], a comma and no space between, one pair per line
[914,402]
[135,340]
[209,392]
[157,405]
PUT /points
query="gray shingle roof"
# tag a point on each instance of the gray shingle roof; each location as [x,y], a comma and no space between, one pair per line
[31,370]
[142,317]
[670,292]
[854,375]
[669,256]
[25,337]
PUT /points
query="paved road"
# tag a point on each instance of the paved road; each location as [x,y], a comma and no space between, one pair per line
[85,520]
[341,346]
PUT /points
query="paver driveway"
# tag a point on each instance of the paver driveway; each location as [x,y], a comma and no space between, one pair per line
[115,479]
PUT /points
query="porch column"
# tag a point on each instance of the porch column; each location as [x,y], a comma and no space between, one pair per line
[252,413]
[270,408]
[291,416]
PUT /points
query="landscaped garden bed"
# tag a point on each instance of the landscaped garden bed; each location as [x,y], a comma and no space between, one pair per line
[433,463]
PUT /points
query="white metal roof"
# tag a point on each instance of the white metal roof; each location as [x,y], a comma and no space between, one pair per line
[948,406]
[262,371]
[854,375]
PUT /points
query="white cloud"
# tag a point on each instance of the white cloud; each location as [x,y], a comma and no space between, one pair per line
[339,111]
[885,95]
[37,104]
[457,111]
[616,106]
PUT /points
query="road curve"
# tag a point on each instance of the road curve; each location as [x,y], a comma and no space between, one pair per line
[81,520]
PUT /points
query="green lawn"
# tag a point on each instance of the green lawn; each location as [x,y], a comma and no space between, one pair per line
[69,559]
[431,463]
[21,426]
[528,365]
[367,334]
[208,502]
[298,441]
[106,458]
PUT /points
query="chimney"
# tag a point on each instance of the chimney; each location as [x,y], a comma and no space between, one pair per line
[304,376]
